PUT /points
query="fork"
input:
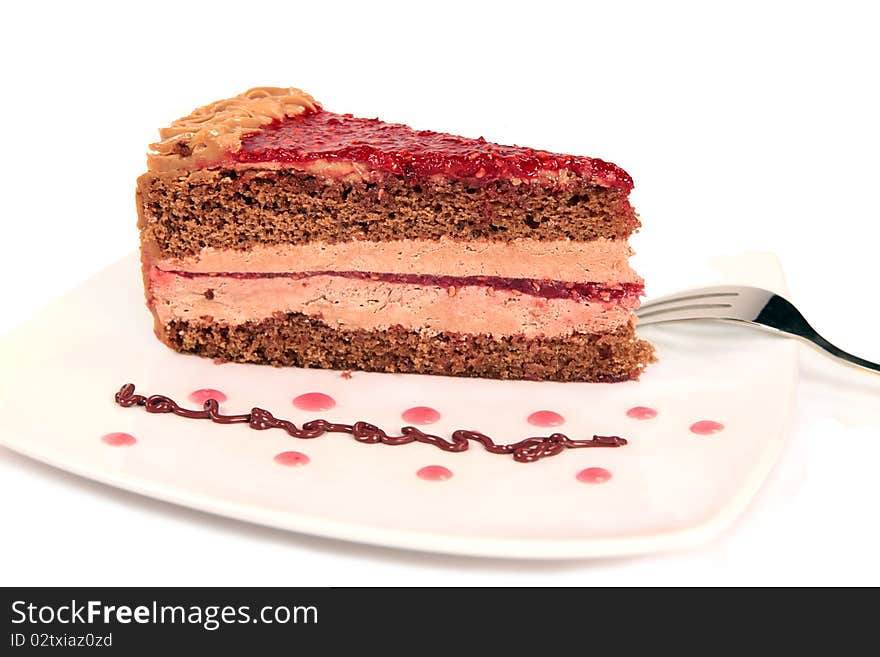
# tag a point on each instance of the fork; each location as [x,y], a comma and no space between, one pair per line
[748,305]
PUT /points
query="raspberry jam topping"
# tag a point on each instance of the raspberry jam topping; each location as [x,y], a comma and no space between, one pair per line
[412,154]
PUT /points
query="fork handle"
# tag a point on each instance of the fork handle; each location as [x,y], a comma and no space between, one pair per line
[780,314]
[842,355]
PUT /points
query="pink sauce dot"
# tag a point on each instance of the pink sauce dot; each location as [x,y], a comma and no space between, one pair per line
[641,413]
[119,439]
[706,427]
[314,401]
[593,476]
[545,419]
[420,415]
[434,473]
[292,458]
[202,395]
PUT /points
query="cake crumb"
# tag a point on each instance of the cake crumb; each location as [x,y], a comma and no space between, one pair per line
[346,374]
[451,290]
[209,294]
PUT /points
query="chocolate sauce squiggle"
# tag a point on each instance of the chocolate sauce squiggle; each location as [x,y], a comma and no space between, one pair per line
[525,451]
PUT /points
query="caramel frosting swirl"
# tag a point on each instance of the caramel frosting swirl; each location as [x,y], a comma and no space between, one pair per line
[210,132]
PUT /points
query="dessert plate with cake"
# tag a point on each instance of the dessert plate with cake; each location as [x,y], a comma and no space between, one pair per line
[429,339]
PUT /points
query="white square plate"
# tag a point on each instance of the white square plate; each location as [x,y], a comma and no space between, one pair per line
[669,487]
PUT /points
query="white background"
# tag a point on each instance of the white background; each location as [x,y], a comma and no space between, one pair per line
[753,127]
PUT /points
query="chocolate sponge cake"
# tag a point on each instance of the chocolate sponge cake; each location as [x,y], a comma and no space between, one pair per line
[274,231]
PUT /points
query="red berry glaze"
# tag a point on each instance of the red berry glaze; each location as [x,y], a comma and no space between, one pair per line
[641,413]
[292,458]
[412,154]
[593,476]
[119,439]
[204,394]
[706,427]
[546,289]
[421,415]
[314,401]
[545,419]
[434,473]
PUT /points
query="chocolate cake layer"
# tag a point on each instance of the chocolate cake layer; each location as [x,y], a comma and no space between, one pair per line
[182,212]
[295,339]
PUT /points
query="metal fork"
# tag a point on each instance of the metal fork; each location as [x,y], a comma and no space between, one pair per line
[749,305]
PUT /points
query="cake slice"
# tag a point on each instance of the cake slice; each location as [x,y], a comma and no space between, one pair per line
[274,231]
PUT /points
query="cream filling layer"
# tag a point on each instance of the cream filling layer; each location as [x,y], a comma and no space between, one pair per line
[378,305]
[599,260]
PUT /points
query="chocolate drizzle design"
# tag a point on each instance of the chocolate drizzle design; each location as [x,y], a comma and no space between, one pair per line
[524,451]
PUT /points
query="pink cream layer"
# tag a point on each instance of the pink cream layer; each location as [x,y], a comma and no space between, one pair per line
[356,303]
[597,260]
